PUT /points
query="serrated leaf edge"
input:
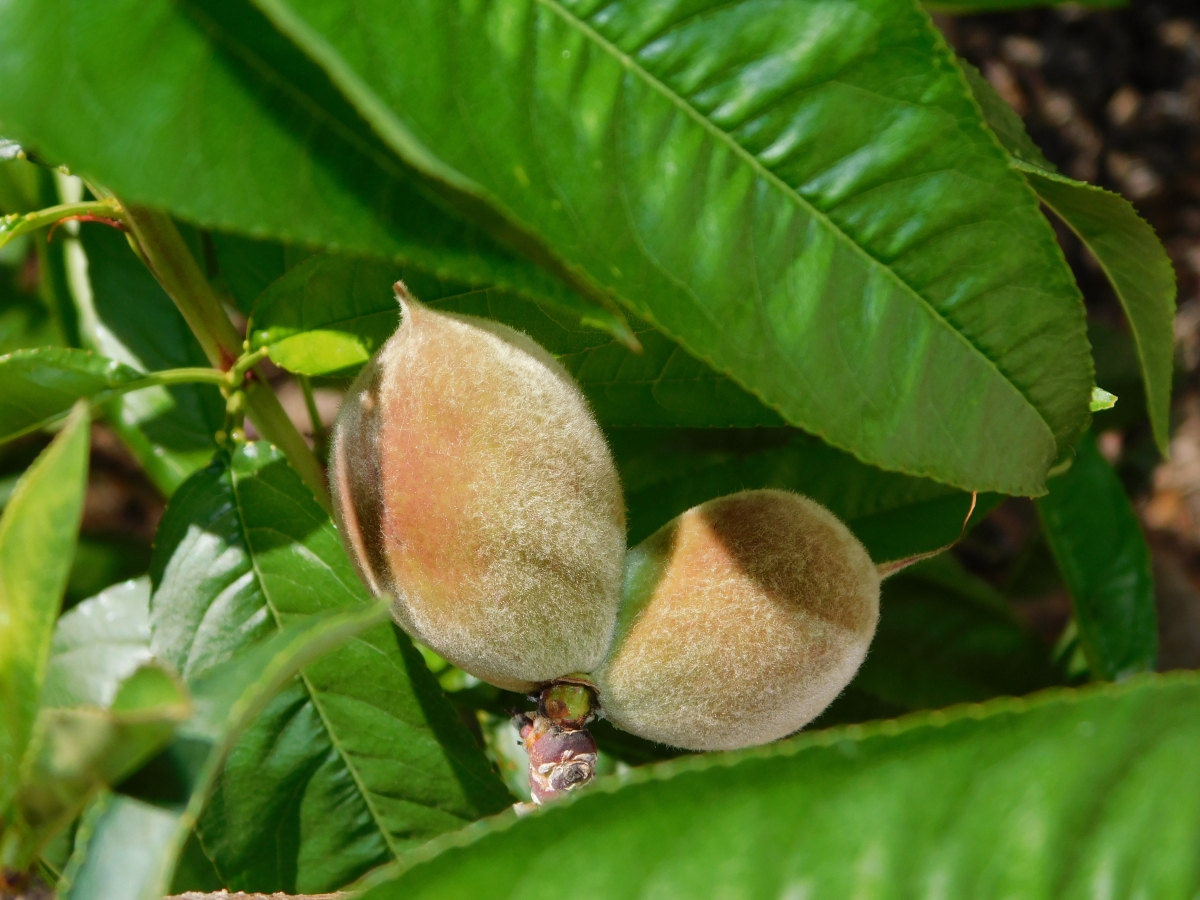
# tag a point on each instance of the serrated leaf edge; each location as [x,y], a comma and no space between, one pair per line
[665,771]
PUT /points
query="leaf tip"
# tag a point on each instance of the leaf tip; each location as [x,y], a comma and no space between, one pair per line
[1102,399]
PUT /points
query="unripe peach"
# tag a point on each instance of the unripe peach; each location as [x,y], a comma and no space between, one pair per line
[472,484]
[742,620]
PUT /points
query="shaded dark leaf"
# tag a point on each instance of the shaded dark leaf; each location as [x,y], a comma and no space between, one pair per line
[1097,541]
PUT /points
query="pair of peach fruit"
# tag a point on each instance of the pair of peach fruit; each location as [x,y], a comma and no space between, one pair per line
[473,486]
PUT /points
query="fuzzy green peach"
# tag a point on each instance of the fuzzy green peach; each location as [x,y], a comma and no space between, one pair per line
[472,484]
[742,619]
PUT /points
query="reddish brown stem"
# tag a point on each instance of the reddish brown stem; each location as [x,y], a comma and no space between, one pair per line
[887,569]
[104,220]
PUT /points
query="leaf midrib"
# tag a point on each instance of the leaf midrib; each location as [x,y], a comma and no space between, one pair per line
[308,686]
[757,165]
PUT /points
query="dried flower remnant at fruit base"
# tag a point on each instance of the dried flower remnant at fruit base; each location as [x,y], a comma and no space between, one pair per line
[562,752]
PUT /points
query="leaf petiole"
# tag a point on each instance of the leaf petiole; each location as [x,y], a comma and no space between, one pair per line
[168,377]
[17,224]
[314,415]
[244,363]
[165,378]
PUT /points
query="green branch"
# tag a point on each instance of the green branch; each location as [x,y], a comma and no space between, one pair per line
[172,264]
